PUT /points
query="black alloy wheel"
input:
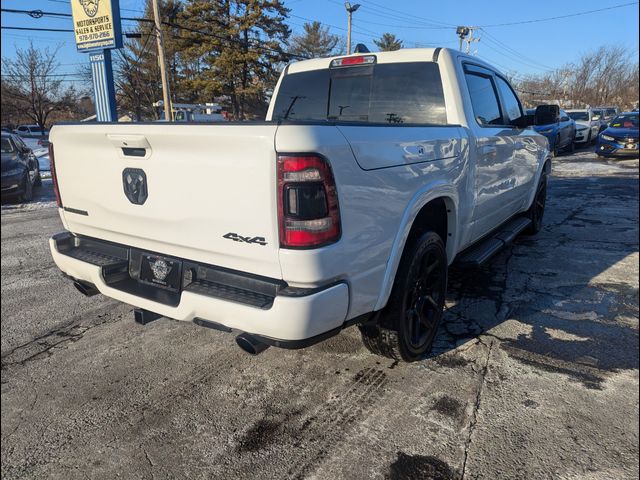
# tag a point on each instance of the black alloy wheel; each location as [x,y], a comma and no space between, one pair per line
[536,211]
[406,328]
[423,300]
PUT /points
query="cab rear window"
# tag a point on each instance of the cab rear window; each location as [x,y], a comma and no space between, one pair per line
[398,93]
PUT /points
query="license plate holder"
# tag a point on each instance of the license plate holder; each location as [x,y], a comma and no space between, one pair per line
[161,272]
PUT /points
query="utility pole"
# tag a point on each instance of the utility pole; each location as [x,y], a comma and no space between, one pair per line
[166,93]
[466,35]
[350,9]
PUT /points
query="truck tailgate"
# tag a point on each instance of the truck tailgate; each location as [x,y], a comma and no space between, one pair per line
[211,194]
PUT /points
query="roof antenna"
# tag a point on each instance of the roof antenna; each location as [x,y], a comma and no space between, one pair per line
[361,48]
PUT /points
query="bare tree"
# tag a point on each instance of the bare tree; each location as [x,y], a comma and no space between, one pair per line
[606,76]
[31,85]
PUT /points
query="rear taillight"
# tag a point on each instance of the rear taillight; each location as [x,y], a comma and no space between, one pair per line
[52,163]
[308,213]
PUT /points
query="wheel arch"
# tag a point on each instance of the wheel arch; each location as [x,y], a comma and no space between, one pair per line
[434,207]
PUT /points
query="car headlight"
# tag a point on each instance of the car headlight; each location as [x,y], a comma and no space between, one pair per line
[607,137]
[12,172]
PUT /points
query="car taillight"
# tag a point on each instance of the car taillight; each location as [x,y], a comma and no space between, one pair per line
[308,212]
[52,163]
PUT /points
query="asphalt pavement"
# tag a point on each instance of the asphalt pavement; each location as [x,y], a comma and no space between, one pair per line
[534,373]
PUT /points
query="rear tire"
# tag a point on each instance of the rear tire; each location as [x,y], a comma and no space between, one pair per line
[406,328]
[27,190]
[536,211]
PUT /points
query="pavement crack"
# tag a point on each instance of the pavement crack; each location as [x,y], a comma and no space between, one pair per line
[43,345]
[476,408]
[146,454]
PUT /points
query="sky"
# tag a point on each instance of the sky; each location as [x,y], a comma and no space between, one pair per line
[511,37]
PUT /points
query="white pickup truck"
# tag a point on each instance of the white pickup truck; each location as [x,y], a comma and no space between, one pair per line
[371,174]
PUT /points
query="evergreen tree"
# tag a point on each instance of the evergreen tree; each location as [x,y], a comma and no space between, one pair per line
[388,42]
[316,41]
[233,48]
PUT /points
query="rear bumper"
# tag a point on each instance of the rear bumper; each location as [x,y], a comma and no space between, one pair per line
[287,316]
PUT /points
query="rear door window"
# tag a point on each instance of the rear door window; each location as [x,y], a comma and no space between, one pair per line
[484,100]
[398,93]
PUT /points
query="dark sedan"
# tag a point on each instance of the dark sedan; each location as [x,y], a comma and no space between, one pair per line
[20,169]
[620,138]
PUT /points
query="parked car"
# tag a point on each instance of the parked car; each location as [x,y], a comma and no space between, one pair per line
[559,129]
[31,131]
[620,139]
[598,115]
[371,174]
[609,113]
[587,125]
[20,168]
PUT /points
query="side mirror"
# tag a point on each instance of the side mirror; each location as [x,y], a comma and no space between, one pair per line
[546,114]
[524,121]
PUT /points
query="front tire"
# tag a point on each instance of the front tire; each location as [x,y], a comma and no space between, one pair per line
[406,328]
[536,211]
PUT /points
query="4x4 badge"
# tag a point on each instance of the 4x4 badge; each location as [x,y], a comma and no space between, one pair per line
[239,238]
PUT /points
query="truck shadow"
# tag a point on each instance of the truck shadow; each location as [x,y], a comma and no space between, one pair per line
[565,300]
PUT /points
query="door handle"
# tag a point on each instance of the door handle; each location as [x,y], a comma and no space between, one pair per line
[489,150]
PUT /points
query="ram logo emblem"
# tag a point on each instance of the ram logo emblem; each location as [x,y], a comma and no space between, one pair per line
[134,182]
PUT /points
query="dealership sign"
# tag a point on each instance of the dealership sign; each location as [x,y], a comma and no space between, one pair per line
[96,24]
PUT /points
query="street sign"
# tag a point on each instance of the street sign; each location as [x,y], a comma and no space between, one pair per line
[96,24]
[97,28]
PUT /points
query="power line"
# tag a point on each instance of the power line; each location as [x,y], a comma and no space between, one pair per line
[148,20]
[67,2]
[560,16]
[37,29]
[410,16]
[516,53]
[515,58]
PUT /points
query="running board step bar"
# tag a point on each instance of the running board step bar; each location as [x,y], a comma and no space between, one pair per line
[487,248]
